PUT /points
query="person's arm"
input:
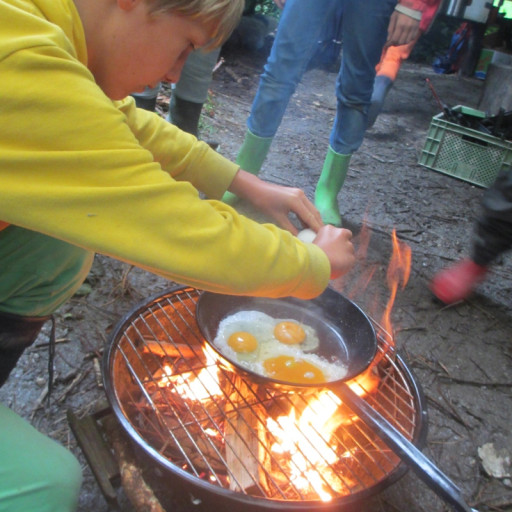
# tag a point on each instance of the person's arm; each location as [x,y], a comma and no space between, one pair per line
[82,176]
[409,19]
[405,22]
[179,153]
[276,201]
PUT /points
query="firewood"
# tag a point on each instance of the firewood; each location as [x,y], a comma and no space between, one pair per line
[137,490]
[243,440]
[165,349]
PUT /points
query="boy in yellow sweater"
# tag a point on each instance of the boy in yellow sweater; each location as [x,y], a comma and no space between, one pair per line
[83,171]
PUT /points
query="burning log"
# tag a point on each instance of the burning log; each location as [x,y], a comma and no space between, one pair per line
[243,437]
[165,349]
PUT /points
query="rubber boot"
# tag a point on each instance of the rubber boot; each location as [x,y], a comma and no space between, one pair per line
[147,98]
[381,87]
[331,180]
[457,282]
[185,114]
[250,158]
[145,103]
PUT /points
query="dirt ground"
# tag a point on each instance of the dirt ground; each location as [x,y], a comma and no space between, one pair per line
[460,355]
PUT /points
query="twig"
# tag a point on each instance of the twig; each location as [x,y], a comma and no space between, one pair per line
[477,383]
[46,344]
[218,65]
[73,383]
[39,401]
[382,161]
[454,411]
[445,410]
[498,503]
[238,79]
[97,372]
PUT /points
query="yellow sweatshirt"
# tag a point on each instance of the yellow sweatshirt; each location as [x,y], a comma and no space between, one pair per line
[120,181]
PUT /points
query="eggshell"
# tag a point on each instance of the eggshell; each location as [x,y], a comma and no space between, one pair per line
[306,235]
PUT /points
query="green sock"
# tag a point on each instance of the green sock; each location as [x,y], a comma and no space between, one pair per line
[250,158]
[331,180]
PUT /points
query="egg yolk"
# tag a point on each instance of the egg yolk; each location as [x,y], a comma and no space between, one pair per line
[242,341]
[290,333]
[287,368]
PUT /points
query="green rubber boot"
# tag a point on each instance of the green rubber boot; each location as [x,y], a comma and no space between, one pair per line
[331,180]
[250,158]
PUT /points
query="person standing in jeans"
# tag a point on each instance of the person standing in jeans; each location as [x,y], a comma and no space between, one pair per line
[367,26]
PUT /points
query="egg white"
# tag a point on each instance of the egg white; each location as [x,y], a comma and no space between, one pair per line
[261,326]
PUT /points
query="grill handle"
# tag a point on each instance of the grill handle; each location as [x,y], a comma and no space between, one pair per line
[426,470]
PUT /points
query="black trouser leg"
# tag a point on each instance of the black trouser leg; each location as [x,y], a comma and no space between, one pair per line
[185,114]
[493,233]
[16,334]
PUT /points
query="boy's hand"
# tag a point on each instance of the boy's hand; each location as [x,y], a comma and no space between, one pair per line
[337,244]
[277,201]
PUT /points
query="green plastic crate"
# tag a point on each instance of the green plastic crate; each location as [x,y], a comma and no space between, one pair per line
[464,153]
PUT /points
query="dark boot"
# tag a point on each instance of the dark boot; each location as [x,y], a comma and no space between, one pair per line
[145,103]
[185,114]
[16,334]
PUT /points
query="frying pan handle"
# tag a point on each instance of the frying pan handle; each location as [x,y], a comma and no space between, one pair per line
[414,458]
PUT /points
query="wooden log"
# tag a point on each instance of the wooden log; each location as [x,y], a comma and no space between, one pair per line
[165,349]
[497,90]
[137,490]
[243,441]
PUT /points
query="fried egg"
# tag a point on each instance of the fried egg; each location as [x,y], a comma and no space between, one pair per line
[278,348]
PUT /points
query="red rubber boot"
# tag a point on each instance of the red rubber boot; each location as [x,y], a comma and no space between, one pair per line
[457,282]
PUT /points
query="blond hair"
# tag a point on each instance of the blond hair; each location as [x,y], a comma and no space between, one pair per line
[223,14]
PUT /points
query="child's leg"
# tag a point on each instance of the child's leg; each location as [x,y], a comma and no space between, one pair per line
[36,473]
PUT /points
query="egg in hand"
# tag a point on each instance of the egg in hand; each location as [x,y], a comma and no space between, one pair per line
[281,349]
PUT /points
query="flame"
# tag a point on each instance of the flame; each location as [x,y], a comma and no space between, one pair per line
[399,270]
[307,442]
[365,383]
[357,282]
[201,387]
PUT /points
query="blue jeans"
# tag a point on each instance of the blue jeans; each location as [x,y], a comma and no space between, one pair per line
[302,25]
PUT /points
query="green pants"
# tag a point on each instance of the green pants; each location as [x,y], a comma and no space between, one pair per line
[36,473]
[37,275]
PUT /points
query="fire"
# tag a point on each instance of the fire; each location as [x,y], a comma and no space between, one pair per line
[303,440]
[397,276]
[357,282]
[365,383]
[307,442]
[201,387]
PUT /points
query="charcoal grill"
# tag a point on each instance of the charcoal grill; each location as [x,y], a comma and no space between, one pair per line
[215,429]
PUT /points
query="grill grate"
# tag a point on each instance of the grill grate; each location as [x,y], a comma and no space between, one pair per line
[212,426]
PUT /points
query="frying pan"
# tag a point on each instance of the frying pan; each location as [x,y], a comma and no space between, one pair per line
[346,335]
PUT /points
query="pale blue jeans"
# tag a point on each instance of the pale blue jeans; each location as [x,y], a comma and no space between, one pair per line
[302,25]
